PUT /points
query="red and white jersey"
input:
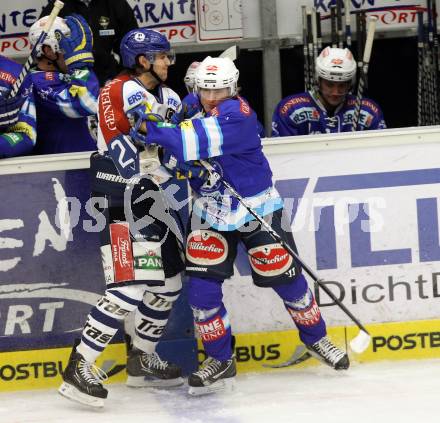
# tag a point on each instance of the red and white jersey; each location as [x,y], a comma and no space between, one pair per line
[123,94]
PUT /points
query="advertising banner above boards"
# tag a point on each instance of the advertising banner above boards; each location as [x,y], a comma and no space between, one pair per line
[177,18]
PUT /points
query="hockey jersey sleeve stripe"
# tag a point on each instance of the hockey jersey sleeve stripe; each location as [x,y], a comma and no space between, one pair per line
[190,142]
[214,135]
[88,101]
[67,109]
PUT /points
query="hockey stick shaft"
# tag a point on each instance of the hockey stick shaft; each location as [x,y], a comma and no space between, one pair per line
[314,35]
[286,246]
[347,23]
[364,71]
[436,58]
[334,41]
[419,66]
[305,48]
[319,31]
[310,48]
[339,23]
[58,5]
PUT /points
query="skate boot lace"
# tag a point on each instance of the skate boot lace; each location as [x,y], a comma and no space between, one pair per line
[153,361]
[91,373]
[328,350]
[209,368]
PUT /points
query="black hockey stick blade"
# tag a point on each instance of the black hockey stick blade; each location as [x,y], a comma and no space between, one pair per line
[299,355]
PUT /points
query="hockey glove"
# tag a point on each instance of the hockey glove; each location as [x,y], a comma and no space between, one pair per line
[183,170]
[77,47]
[137,116]
[9,109]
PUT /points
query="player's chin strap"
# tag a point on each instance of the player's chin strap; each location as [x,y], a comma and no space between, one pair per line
[155,75]
[362,340]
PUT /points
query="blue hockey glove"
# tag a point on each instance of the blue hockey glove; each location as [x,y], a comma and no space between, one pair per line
[183,170]
[9,109]
[137,116]
[77,47]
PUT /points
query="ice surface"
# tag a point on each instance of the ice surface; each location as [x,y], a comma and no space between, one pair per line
[388,392]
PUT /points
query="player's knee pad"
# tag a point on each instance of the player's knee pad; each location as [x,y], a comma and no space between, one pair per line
[302,302]
[117,303]
[204,293]
[150,319]
[170,290]
[202,315]
[295,289]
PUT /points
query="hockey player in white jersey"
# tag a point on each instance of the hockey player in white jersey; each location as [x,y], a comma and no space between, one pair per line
[151,288]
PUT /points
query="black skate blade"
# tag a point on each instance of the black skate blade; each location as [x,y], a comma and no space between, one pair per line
[299,355]
[70,392]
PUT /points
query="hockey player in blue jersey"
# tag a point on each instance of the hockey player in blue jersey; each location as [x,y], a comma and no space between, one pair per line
[64,86]
[9,107]
[228,138]
[329,107]
[17,114]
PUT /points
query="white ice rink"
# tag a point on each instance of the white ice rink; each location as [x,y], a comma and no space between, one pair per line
[392,392]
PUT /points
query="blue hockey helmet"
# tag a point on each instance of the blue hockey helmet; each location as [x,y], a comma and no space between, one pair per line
[144,41]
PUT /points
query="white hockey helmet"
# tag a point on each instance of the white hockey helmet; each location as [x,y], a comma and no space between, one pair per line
[190,76]
[215,73]
[36,29]
[336,64]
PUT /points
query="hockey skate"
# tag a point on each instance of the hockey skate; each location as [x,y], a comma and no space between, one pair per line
[82,381]
[213,376]
[149,370]
[330,354]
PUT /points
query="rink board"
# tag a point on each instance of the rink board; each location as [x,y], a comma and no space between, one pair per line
[40,369]
[51,275]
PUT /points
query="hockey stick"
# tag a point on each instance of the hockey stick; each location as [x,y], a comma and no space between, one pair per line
[307,83]
[436,59]
[347,23]
[310,48]
[364,71]
[299,356]
[420,120]
[362,340]
[231,52]
[314,35]
[26,67]
[334,40]
[339,23]
[432,88]
[319,31]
